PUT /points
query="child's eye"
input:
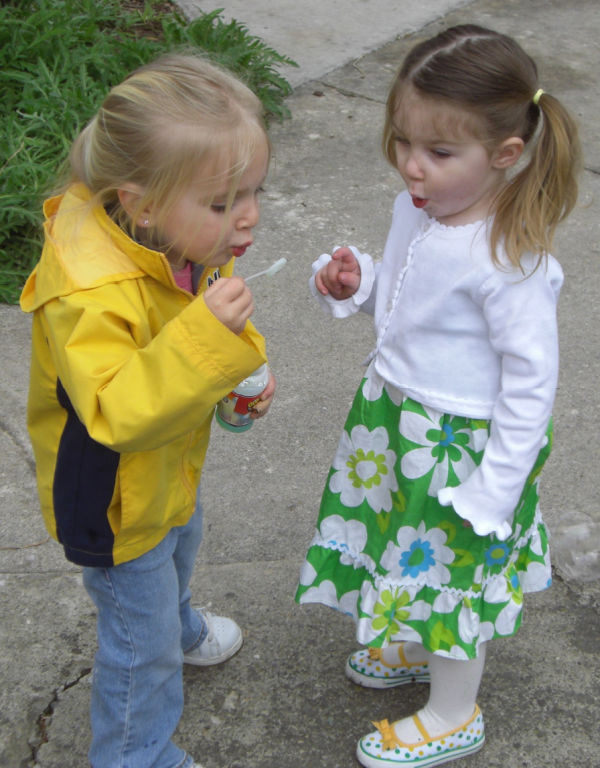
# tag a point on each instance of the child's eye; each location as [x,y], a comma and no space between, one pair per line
[218,207]
[441,153]
[401,140]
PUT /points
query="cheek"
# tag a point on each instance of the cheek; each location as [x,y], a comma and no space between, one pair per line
[399,155]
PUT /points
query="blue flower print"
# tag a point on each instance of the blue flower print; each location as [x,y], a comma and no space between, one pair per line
[447,435]
[417,559]
[440,446]
[497,554]
[515,582]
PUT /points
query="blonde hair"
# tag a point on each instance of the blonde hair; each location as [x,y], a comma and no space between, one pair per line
[165,123]
[490,76]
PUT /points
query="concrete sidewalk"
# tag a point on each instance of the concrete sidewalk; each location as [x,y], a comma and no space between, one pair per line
[283,701]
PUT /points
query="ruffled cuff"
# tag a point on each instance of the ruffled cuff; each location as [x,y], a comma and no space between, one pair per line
[341,308]
[483,521]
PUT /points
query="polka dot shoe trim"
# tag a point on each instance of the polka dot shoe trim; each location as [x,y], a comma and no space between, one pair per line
[368,668]
[383,749]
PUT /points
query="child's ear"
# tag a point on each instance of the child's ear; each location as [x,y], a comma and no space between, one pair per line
[130,200]
[508,153]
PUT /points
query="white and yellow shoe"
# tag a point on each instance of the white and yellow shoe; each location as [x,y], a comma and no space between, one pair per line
[369,668]
[383,748]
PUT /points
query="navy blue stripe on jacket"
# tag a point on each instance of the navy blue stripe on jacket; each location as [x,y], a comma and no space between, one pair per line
[84,482]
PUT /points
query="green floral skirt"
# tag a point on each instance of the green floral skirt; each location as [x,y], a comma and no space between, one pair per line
[387,553]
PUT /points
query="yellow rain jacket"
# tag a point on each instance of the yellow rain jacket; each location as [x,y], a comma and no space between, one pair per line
[126,370]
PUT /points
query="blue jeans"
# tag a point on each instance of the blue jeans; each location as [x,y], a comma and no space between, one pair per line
[145,622]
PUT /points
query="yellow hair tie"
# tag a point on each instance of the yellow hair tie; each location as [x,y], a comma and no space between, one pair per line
[538,96]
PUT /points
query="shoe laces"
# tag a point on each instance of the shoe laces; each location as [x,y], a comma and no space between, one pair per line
[208,620]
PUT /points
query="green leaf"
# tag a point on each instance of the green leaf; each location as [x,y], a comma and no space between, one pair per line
[57,60]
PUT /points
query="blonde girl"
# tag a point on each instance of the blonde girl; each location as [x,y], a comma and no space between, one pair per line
[430,530]
[139,329]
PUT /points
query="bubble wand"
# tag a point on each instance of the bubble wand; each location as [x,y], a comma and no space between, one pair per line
[279,264]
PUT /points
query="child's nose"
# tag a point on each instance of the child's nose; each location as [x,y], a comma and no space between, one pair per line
[249,214]
[413,167]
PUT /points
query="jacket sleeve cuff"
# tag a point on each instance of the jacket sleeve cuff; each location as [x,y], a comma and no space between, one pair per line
[483,523]
[341,308]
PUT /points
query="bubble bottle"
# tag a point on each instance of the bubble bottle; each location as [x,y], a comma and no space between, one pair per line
[233,411]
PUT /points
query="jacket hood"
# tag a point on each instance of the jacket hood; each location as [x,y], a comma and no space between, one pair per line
[85,249]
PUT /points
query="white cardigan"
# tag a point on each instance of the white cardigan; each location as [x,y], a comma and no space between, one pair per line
[458,334]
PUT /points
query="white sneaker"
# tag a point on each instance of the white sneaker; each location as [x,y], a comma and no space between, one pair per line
[224,639]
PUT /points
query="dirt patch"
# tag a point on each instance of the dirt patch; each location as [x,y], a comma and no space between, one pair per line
[149,28]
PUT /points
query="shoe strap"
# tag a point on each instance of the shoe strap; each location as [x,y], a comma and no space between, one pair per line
[376,654]
[389,740]
[404,661]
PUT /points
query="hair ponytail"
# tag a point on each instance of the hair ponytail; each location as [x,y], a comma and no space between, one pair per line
[541,195]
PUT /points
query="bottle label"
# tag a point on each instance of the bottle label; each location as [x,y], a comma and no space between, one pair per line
[233,411]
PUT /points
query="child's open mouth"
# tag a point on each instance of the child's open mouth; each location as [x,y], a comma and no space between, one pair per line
[239,250]
[419,202]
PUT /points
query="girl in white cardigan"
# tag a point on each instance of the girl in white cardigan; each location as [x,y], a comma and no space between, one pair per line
[430,531]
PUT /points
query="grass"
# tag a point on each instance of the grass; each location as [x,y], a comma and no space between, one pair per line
[57,60]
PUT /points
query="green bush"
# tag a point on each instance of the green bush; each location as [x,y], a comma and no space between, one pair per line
[58,58]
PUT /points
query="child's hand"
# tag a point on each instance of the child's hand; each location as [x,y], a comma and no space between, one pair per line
[341,276]
[230,301]
[266,398]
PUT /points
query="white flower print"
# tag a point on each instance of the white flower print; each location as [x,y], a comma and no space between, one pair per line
[347,604]
[442,444]
[507,618]
[326,594]
[535,543]
[470,628]
[420,557]
[456,652]
[446,602]
[374,384]
[307,574]
[365,469]
[347,537]
[537,577]
[500,590]
[497,590]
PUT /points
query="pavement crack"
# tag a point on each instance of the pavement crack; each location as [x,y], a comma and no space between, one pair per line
[43,722]
[350,94]
[13,434]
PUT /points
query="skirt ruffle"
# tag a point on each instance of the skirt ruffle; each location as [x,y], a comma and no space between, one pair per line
[404,567]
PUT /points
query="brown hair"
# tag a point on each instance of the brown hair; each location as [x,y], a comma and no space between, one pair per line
[490,76]
[163,123]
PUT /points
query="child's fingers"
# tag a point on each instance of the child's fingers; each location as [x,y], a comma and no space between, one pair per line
[266,398]
[269,391]
[230,300]
[227,287]
[349,279]
[347,260]
[340,253]
[319,282]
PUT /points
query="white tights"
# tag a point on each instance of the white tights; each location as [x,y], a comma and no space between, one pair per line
[452,695]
